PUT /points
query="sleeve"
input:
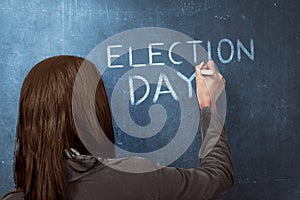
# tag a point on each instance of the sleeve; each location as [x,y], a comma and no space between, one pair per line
[215,174]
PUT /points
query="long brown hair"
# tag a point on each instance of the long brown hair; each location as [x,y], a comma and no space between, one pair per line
[46,127]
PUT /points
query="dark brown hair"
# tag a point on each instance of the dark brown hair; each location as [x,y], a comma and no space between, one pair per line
[46,126]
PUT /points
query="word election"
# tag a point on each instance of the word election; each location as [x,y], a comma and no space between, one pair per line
[223,45]
[229,47]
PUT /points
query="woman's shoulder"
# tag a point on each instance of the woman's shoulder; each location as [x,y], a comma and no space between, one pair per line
[132,164]
[14,195]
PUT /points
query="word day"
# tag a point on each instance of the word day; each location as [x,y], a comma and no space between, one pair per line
[162,80]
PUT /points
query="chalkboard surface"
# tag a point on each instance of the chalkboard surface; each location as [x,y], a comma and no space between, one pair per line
[254,43]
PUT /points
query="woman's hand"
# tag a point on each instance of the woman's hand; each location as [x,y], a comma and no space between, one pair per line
[210,87]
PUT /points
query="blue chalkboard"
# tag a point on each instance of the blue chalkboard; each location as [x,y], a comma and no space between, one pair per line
[254,43]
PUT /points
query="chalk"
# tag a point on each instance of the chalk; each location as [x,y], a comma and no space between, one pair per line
[206,72]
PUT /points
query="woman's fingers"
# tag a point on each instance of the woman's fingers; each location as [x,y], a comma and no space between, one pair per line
[200,66]
[222,78]
[209,87]
[198,70]
[203,66]
[211,65]
[203,93]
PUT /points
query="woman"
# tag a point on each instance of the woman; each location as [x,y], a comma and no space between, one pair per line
[47,166]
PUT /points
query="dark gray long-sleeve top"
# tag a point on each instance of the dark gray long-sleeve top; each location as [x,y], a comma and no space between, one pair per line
[92,178]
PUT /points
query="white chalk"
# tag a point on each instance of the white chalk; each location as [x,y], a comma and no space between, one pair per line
[206,72]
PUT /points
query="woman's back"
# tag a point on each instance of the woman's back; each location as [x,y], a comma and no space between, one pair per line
[108,179]
[48,168]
